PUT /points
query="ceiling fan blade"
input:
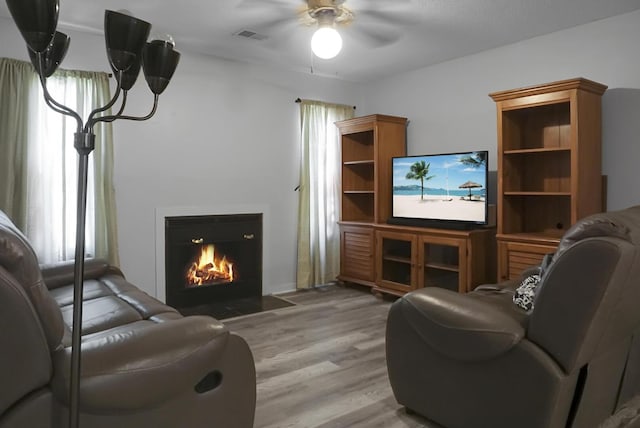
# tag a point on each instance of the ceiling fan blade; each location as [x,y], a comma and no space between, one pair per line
[370,37]
[272,16]
[389,17]
[275,23]
[262,4]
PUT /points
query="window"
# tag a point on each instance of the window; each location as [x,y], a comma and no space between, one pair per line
[42,195]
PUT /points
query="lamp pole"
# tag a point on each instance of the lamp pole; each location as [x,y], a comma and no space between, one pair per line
[84,144]
[127,51]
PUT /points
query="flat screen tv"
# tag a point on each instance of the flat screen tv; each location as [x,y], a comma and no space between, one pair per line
[441,190]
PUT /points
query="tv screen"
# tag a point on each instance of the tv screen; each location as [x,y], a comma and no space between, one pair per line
[444,189]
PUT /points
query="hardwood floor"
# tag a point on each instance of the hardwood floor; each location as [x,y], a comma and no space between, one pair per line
[322,364]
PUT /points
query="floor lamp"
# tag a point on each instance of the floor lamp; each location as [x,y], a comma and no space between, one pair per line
[128,51]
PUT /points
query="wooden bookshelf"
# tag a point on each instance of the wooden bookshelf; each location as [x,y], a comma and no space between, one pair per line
[549,167]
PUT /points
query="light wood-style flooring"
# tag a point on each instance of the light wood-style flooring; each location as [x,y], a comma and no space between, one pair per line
[322,364]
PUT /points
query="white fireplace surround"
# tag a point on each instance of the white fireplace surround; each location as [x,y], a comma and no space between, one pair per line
[178,211]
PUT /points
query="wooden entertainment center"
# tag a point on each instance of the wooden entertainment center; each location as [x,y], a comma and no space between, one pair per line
[549,177]
[549,167]
[394,259]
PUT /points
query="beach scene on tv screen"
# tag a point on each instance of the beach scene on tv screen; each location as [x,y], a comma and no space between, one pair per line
[442,187]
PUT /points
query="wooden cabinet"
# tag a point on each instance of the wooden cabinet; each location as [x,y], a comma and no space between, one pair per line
[408,258]
[356,254]
[368,143]
[549,167]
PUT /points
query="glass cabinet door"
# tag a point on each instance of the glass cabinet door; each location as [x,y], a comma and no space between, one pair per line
[439,263]
[397,254]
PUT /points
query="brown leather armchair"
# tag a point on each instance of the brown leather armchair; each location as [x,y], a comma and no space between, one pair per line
[143,364]
[478,360]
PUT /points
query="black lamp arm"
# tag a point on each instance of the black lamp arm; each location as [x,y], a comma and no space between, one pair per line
[53,104]
[119,113]
[111,118]
[138,118]
[91,121]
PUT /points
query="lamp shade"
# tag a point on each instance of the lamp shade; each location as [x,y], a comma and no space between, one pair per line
[36,20]
[130,75]
[124,37]
[52,56]
[159,61]
[326,42]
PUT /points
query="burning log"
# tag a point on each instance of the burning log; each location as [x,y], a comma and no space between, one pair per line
[207,269]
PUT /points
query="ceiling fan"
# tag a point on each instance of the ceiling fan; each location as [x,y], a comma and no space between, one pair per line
[373,20]
[326,12]
[326,42]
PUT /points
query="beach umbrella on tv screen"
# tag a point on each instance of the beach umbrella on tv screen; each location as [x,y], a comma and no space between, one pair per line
[469,185]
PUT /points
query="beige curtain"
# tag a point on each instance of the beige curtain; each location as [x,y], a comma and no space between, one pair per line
[16,79]
[319,199]
[40,195]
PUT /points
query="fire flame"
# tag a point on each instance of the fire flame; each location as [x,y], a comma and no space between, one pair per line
[208,269]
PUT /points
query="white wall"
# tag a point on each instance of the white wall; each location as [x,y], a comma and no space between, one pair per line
[225,136]
[450,110]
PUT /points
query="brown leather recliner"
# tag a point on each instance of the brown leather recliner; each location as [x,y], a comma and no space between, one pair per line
[478,360]
[143,364]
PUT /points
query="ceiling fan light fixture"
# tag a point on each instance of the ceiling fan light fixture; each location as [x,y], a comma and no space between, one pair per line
[326,42]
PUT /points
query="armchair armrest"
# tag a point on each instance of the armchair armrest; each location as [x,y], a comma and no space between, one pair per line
[62,273]
[144,366]
[459,325]
[509,285]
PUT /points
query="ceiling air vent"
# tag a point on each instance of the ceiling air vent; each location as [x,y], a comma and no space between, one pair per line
[248,34]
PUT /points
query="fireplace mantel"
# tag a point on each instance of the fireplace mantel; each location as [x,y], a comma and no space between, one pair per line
[175,211]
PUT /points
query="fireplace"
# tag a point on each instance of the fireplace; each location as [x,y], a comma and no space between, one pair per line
[212,258]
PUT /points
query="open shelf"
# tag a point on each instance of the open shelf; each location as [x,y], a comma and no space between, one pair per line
[537,171]
[537,127]
[358,176]
[536,213]
[357,146]
[358,206]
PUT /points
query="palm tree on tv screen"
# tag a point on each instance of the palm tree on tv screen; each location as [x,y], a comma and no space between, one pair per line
[475,161]
[420,171]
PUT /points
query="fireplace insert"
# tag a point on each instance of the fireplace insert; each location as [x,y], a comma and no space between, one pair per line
[212,258]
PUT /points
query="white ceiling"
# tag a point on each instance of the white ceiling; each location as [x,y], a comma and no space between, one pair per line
[386,37]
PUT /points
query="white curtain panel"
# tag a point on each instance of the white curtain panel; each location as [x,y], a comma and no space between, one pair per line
[319,202]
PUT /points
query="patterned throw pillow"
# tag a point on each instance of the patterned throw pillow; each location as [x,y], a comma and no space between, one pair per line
[526,292]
